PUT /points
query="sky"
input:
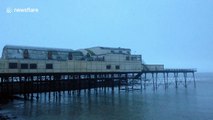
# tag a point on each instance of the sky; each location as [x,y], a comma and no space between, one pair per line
[176,33]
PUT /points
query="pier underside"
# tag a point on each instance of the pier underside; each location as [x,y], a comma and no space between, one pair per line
[26,84]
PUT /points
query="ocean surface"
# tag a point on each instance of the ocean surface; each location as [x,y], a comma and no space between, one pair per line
[162,104]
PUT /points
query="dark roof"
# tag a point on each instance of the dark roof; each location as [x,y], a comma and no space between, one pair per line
[36,48]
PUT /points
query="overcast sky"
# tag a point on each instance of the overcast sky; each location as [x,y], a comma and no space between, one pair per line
[176,33]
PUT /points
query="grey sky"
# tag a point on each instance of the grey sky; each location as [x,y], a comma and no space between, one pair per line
[177,33]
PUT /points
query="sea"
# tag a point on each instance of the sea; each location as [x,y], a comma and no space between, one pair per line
[191,103]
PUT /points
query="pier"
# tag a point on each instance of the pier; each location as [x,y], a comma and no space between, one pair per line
[169,76]
[27,84]
[29,71]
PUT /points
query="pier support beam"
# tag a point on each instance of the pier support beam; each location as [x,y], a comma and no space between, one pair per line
[164,80]
[156,80]
[145,79]
[185,79]
[194,79]
[153,81]
[176,79]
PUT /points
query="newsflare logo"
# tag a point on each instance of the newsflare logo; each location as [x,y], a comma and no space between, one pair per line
[10,10]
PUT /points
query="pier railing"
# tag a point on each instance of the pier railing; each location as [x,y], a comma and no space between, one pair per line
[171,70]
[181,70]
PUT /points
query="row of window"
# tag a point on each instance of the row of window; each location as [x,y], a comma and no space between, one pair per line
[48,66]
[49,55]
[28,66]
[120,52]
[117,67]
[134,58]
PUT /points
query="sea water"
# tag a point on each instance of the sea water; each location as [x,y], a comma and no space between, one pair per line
[162,104]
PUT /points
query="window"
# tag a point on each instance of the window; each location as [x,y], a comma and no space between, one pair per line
[117,67]
[108,67]
[133,58]
[24,66]
[128,52]
[49,66]
[33,66]
[127,58]
[49,55]
[13,65]
[26,54]
[70,56]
